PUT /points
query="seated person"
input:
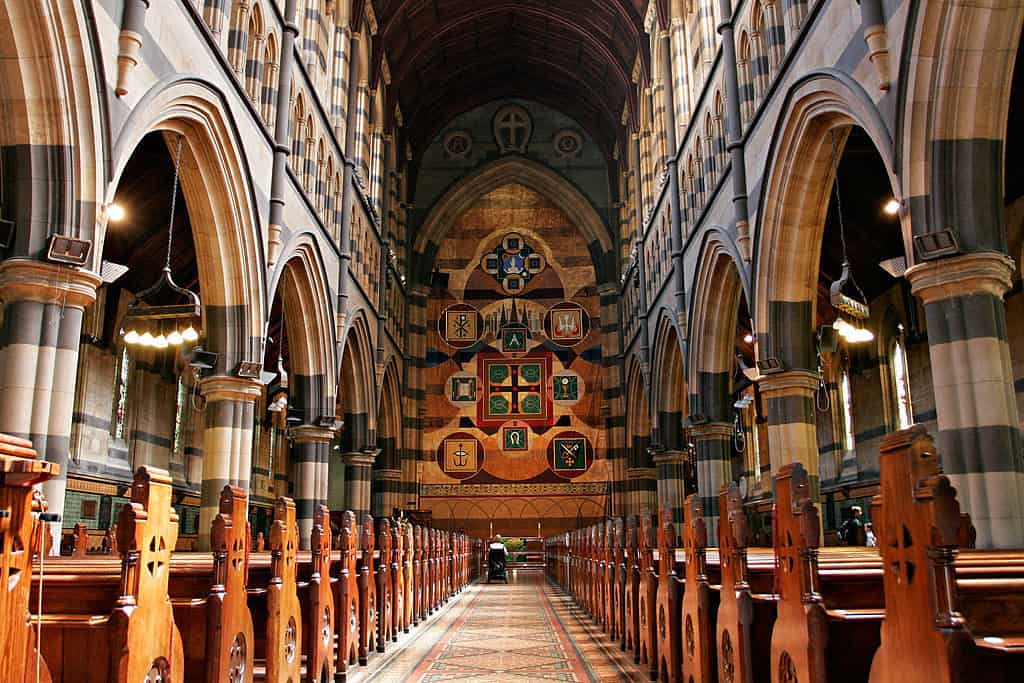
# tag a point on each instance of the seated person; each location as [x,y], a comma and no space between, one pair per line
[497,556]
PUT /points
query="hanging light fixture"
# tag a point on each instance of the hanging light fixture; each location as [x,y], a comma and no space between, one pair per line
[161,326]
[856,309]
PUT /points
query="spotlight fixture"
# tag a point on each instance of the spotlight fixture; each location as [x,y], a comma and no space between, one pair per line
[770,365]
[68,251]
[115,213]
[892,207]
[249,369]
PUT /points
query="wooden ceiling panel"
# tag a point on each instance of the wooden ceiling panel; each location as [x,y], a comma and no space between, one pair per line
[574,55]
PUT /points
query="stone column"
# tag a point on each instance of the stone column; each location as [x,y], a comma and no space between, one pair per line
[358,473]
[979,437]
[643,490]
[714,468]
[387,492]
[792,427]
[227,443]
[311,450]
[671,484]
[42,321]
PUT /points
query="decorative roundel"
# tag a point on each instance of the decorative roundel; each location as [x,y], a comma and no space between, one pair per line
[460,325]
[460,455]
[567,323]
[567,388]
[458,144]
[513,263]
[461,389]
[570,454]
[568,144]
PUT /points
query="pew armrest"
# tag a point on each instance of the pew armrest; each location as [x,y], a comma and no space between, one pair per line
[69,620]
[856,614]
[765,597]
[1008,644]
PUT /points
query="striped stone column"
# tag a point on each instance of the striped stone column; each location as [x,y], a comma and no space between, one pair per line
[311,450]
[671,486]
[979,437]
[386,492]
[792,426]
[227,443]
[358,474]
[714,468]
[42,321]
[682,87]
[642,490]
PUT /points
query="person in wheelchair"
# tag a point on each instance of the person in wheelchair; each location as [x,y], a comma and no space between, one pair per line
[497,558]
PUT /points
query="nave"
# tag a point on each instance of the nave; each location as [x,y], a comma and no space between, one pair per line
[528,630]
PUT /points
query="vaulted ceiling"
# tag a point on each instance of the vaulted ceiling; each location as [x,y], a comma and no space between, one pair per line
[448,56]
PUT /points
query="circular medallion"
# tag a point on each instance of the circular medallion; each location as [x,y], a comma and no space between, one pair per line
[461,389]
[570,454]
[566,388]
[514,438]
[568,144]
[460,455]
[458,144]
[459,325]
[567,323]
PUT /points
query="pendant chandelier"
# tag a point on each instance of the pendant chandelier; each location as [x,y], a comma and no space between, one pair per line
[856,309]
[148,324]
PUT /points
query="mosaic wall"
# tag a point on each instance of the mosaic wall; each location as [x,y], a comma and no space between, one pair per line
[514,377]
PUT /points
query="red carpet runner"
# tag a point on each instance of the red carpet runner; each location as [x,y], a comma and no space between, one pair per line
[525,631]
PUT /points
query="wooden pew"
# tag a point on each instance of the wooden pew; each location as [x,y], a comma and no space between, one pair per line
[284,618]
[346,596]
[609,566]
[137,637]
[697,609]
[631,589]
[408,581]
[20,471]
[670,588]
[319,607]
[219,638]
[367,593]
[618,580]
[80,540]
[419,570]
[925,635]
[735,609]
[647,602]
[397,581]
[382,580]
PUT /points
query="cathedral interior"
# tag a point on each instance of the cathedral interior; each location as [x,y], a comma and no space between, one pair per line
[709,311]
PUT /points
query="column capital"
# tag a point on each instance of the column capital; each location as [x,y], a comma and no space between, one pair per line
[23,279]
[712,430]
[226,388]
[388,475]
[670,458]
[357,458]
[310,434]
[790,382]
[981,273]
[641,473]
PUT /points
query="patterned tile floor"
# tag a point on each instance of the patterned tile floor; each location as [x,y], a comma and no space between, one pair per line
[527,630]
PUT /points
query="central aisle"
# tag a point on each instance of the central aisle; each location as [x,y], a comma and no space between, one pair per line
[527,630]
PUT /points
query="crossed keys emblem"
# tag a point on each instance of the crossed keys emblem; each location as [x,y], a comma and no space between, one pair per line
[569,452]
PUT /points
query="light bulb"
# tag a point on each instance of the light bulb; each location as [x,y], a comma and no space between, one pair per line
[175,338]
[160,342]
[190,334]
[748,338]
[892,207]
[860,334]
[131,338]
[115,213]
[146,339]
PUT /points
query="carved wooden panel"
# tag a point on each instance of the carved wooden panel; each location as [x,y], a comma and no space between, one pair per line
[668,604]
[347,594]
[735,609]
[284,618]
[321,613]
